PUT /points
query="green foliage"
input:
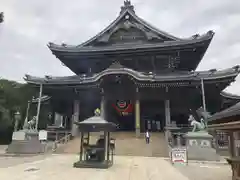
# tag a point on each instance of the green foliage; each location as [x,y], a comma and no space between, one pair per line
[13,97]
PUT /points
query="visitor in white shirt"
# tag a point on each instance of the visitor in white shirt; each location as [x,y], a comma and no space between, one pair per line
[147,137]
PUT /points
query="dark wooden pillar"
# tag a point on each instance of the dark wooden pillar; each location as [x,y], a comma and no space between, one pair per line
[75,117]
[81,147]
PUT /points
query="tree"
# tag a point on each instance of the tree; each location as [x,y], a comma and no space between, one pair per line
[13,97]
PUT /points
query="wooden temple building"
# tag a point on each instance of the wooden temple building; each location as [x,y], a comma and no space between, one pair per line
[139,76]
[228,121]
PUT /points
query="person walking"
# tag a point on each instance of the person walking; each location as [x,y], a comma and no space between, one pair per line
[147,137]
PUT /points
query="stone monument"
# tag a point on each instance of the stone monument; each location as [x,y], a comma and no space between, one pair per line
[26,141]
[199,142]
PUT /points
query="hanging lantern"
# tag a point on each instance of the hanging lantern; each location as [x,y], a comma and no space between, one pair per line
[123,107]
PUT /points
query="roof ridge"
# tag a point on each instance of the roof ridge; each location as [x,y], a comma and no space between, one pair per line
[127,5]
[128,8]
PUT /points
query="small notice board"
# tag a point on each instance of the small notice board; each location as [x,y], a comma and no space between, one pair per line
[43,135]
[179,156]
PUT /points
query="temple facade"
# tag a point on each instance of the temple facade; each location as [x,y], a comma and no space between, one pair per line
[139,76]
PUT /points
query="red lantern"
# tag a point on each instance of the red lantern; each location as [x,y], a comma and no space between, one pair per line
[123,107]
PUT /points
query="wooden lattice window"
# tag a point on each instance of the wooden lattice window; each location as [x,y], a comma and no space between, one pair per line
[222,140]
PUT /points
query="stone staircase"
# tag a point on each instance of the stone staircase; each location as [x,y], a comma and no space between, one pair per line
[126,145]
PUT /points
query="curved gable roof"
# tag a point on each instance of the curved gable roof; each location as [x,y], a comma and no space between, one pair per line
[127,12]
[123,14]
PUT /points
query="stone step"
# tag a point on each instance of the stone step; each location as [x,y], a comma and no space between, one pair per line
[126,145]
[26,147]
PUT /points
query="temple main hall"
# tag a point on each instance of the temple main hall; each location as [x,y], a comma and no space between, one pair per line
[139,76]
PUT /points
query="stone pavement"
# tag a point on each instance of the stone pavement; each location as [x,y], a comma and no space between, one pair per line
[127,145]
[198,171]
[59,167]
[3,149]
[8,161]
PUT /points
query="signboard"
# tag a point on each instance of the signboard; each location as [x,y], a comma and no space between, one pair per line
[237,143]
[42,135]
[179,155]
[18,136]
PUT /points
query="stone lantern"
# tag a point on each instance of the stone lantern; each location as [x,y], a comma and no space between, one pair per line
[17,118]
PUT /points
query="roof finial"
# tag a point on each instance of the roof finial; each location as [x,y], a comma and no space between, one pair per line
[127,5]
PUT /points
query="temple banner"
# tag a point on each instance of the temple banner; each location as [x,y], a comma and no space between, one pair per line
[123,107]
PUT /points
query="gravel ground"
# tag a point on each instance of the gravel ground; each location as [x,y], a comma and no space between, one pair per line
[197,171]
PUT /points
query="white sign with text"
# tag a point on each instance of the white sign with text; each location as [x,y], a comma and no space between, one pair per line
[43,135]
[179,156]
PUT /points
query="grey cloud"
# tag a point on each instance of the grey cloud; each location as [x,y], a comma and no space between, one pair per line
[30,25]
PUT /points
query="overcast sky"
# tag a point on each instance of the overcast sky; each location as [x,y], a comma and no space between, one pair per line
[30,24]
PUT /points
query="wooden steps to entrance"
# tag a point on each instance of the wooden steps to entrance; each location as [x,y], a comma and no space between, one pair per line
[127,145]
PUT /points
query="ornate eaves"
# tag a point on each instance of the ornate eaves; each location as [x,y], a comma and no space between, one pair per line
[138,76]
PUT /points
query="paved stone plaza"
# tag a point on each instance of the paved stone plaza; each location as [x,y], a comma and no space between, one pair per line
[156,148]
[211,171]
[130,168]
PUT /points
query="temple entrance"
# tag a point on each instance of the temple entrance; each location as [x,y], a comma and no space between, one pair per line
[126,123]
[121,112]
[155,123]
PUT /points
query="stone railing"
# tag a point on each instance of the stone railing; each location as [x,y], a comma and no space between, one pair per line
[177,133]
[61,141]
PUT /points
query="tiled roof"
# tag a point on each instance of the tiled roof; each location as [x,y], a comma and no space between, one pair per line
[138,76]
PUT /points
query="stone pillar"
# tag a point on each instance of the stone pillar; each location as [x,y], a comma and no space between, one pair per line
[102,107]
[235,146]
[179,143]
[38,106]
[26,118]
[203,95]
[167,119]
[137,118]
[106,145]
[167,113]
[75,117]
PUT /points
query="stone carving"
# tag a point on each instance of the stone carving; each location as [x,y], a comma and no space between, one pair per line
[129,30]
[193,142]
[30,125]
[127,33]
[205,143]
[199,141]
[197,126]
